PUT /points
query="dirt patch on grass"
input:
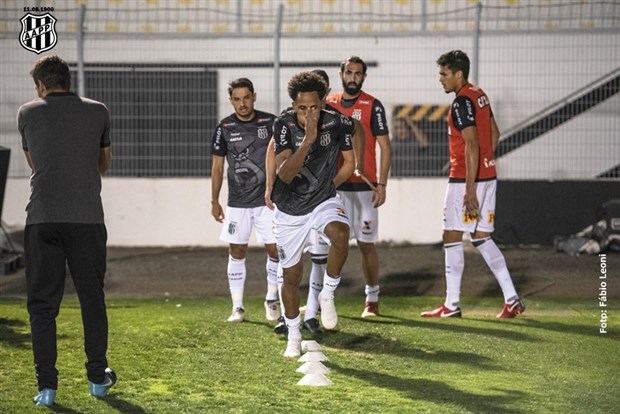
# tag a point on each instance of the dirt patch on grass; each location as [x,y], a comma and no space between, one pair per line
[405,271]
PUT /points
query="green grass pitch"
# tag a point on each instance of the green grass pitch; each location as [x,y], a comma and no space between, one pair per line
[180,356]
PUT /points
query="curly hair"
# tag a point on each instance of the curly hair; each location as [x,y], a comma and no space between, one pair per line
[306,82]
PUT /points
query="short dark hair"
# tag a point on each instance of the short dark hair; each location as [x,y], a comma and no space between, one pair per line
[53,72]
[306,82]
[353,59]
[455,60]
[323,75]
[240,83]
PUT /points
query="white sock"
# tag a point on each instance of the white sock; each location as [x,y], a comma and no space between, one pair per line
[455,263]
[272,279]
[496,262]
[280,277]
[236,280]
[293,325]
[330,284]
[372,293]
[319,262]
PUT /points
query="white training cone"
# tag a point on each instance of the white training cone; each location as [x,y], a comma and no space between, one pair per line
[310,346]
[313,368]
[313,357]
[315,380]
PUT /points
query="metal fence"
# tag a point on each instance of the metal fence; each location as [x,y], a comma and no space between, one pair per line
[550,68]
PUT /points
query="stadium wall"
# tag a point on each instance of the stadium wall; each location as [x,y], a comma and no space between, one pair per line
[176,212]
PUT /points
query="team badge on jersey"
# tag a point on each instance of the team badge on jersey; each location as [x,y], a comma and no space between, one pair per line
[263,133]
[38,32]
[325,139]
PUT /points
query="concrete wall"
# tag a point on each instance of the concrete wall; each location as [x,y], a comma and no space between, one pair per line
[177,212]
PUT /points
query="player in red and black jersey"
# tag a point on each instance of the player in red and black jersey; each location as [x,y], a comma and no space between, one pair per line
[470,198]
[360,199]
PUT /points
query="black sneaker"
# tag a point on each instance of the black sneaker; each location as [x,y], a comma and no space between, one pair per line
[281,327]
[313,325]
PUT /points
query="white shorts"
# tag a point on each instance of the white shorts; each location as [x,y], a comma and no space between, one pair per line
[238,225]
[317,244]
[293,233]
[363,214]
[456,218]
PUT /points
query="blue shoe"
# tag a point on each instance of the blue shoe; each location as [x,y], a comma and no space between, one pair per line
[100,390]
[45,397]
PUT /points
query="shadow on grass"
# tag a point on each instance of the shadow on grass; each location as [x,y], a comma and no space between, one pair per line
[122,406]
[9,335]
[452,325]
[377,344]
[412,283]
[59,408]
[439,392]
[586,330]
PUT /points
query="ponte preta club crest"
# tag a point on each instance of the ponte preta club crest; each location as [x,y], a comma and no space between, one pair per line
[38,32]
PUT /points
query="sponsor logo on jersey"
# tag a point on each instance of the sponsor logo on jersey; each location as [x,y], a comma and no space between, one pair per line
[235,139]
[470,110]
[232,227]
[491,217]
[38,32]
[380,120]
[483,101]
[218,137]
[363,102]
[263,133]
[260,120]
[357,114]
[489,163]
[229,124]
[325,139]
[457,115]
[328,124]
[346,120]
[283,132]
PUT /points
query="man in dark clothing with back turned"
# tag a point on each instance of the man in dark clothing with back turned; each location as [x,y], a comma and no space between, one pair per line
[67,145]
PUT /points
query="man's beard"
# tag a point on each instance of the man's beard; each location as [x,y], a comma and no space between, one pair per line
[352,90]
